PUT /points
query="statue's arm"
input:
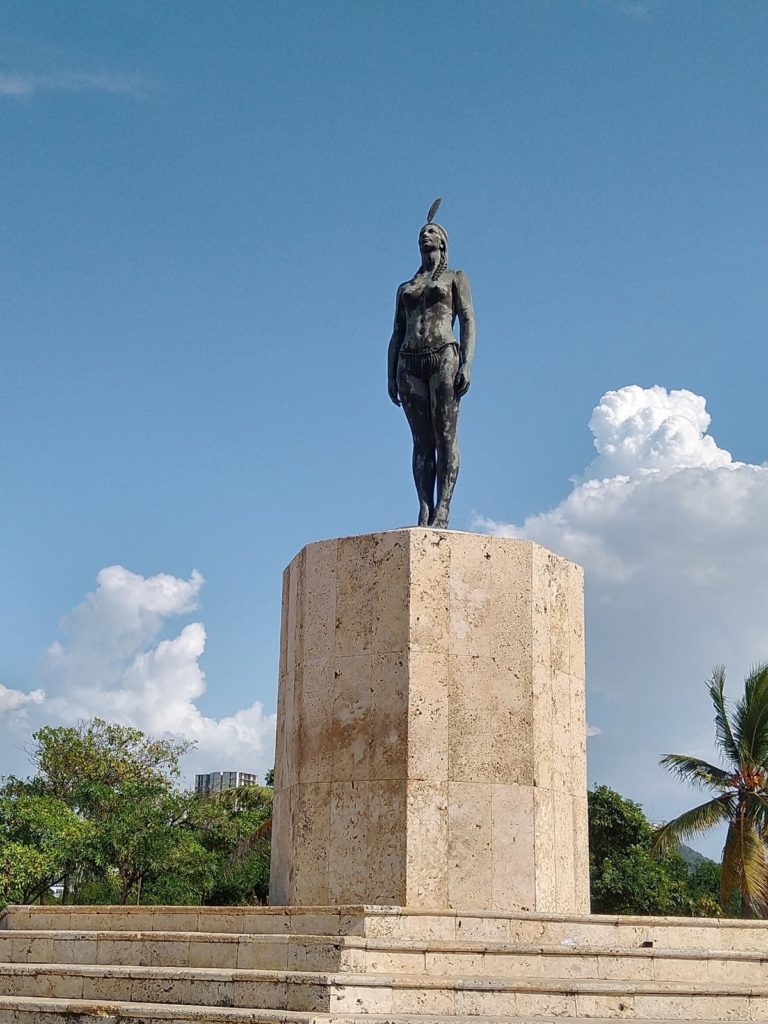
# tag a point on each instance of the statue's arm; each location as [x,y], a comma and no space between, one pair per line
[462,297]
[398,333]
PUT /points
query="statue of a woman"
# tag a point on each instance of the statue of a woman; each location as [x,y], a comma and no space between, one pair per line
[429,371]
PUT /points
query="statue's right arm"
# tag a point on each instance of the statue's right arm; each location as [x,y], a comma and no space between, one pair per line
[398,333]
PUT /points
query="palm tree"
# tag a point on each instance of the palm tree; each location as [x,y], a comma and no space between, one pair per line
[741,789]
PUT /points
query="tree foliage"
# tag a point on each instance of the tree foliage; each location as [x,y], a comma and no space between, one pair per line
[738,792]
[104,817]
[41,842]
[626,877]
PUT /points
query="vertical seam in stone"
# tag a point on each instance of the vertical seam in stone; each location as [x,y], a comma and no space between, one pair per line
[533,710]
[407,755]
[332,683]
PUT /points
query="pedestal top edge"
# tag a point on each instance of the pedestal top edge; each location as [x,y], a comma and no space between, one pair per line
[428,531]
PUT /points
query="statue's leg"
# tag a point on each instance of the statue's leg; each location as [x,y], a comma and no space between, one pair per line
[414,396]
[445,416]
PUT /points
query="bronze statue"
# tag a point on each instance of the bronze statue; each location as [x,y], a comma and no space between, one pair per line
[429,371]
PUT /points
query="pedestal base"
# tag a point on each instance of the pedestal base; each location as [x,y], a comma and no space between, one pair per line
[349,965]
[431,733]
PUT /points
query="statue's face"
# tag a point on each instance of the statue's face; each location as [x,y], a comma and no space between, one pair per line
[430,238]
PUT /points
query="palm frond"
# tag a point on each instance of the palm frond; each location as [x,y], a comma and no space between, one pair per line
[244,798]
[744,868]
[754,868]
[696,771]
[249,843]
[694,822]
[730,867]
[751,717]
[757,810]
[723,732]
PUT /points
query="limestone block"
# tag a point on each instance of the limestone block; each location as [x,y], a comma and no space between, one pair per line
[514,874]
[470,845]
[430,747]
[427,844]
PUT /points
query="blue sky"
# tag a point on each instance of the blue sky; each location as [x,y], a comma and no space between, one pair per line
[207,209]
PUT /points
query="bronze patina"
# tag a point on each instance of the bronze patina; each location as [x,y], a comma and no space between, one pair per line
[429,370]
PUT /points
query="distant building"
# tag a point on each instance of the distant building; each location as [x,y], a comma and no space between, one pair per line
[215,782]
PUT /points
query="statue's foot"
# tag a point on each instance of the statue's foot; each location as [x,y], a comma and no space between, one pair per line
[425,514]
[439,519]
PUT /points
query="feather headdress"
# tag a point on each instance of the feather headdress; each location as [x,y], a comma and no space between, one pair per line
[433,209]
[431,220]
[443,234]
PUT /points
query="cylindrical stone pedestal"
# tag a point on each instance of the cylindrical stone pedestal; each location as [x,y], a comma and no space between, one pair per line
[430,727]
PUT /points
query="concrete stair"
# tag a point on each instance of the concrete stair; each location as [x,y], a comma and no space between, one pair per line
[339,965]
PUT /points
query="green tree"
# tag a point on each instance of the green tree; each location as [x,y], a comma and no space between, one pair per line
[625,877]
[81,764]
[741,796]
[188,875]
[104,815]
[236,825]
[41,842]
[123,784]
[139,833]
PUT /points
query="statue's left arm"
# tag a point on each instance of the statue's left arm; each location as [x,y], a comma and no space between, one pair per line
[462,300]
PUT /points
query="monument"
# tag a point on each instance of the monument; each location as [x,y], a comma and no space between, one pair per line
[431,732]
[429,842]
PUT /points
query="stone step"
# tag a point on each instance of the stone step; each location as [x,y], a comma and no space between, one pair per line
[398,923]
[36,1010]
[353,954]
[340,995]
[239,920]
[177,949]
[29,1010]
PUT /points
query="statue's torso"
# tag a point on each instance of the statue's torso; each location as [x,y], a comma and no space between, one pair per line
[429,312]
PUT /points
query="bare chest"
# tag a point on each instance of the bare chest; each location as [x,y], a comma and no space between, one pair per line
[424,292]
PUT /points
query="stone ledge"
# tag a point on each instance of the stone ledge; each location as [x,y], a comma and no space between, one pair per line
[384,922]
[569,986]
[42,1010]
[377,943]
[19,1010]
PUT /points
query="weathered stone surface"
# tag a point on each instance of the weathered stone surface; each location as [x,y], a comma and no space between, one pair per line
[431,733]
[345,965]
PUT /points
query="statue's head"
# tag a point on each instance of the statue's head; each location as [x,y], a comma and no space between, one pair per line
[433,237]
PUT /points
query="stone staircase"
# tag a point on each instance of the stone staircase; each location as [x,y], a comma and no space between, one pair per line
[307,965]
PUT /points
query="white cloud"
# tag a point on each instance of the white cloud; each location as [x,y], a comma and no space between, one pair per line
[645,430]
[672,534]
[13,700]
[114,662]
[18,84]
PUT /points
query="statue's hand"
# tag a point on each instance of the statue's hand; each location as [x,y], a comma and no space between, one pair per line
[392,388]
[461,382]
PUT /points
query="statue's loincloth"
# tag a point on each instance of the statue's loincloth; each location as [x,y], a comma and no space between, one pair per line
[423,364]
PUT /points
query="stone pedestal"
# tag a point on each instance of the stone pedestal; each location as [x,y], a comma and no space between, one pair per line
[431,730]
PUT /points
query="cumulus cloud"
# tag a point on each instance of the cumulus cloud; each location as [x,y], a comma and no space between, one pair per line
[20,84]
[646,430]
[114,662]
[14,700]
[672,534]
